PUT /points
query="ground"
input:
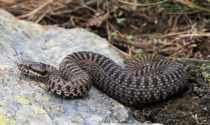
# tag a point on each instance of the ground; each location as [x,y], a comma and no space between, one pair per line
[175,29]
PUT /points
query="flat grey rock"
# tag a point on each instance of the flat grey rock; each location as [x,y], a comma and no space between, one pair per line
[24,101]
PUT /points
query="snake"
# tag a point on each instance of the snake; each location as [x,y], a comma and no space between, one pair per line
[145,80]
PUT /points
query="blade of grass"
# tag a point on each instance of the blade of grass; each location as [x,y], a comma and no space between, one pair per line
[204,25]
[193,5]
[146,4]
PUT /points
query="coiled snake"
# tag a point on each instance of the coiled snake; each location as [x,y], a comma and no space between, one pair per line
[147,79]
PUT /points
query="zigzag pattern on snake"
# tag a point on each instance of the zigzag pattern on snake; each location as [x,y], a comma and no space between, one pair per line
[147,79]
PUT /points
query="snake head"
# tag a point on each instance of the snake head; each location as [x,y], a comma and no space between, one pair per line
[35,69]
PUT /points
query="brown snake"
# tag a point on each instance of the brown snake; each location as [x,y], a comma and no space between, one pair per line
[147,79]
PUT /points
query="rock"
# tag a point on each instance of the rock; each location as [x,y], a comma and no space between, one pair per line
[24,101]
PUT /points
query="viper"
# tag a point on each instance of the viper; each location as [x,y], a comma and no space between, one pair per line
[147,79]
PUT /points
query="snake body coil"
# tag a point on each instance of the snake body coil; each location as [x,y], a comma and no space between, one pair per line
[147,79]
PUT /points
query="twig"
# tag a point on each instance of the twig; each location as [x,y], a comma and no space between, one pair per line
[123,53]
[87,6]
[191,35]
[172,34]
[107,26]
[43,15]
[200,61]
[36,10]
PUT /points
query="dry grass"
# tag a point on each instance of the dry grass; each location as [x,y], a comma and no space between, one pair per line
[174,28]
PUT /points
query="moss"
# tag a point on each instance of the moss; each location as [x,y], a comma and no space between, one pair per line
[204,72]
[3,119]
[21,100]
[38,110]
[179,110]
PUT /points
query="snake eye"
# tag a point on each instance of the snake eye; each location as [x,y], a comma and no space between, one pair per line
[37,66]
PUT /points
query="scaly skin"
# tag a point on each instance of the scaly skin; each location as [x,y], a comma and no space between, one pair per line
[147,79]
